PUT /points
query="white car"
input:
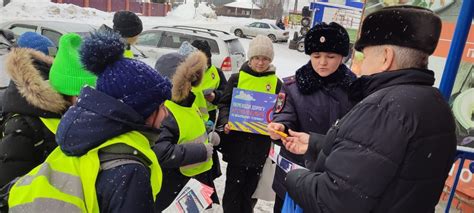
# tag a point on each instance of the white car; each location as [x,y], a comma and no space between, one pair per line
[51,29]
[260,28]
[227,52]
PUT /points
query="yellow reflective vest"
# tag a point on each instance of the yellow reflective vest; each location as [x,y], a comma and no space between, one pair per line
[128,54]
[51,123]
[191,130]
[210,81]
[201,103]
[265,84]
[67,183]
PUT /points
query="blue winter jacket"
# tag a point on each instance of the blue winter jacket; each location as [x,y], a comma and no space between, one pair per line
[95,118]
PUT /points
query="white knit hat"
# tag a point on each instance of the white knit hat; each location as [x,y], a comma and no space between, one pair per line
[261,46]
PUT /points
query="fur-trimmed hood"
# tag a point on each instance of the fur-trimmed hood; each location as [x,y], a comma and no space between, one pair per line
[188,74]
[28,70]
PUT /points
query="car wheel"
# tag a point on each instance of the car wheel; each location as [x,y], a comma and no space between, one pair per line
[273,38]
[239,33]
[300,46]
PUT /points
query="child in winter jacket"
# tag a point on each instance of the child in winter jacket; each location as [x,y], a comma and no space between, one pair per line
[212,86]
[129,25]
[104,162]
[40,91]
[246,153]
[182,148]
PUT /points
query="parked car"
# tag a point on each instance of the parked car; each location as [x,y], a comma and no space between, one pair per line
[51,29]
[227,51]
[260,28]
[6,42]
[55,29]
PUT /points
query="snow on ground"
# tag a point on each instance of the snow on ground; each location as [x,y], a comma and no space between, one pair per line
[46,10]
[286,60]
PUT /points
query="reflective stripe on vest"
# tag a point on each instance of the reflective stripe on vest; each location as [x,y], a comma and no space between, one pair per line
[51,123]
[201,103]
[265,84]
[210,80]
[67,183]
[191,130]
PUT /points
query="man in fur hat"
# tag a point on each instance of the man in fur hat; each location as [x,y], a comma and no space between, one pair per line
[392,152]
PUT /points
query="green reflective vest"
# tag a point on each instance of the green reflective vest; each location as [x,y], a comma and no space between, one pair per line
[210,81]
[191,130]
[265,84]
[67,183]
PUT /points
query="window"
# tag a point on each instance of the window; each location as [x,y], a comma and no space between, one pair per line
[274,27]
[235,47]
[212,43]
[229,11]
[149,39]
[264,25]
[19,29]
[174,40]
[52,35]
[255,24]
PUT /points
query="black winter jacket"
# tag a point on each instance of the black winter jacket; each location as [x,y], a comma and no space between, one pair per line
[391,153]
[172,155]
[310,103]
[26,141]
[240,148]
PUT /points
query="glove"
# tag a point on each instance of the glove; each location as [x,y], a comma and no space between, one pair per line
[209,124]
[209,149]
[214,138]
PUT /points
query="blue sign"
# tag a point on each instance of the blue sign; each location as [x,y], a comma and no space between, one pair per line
[251,111]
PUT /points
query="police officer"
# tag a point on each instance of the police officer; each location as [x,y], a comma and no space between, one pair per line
[314,98]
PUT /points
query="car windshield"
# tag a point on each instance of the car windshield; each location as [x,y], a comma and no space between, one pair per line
[235,47]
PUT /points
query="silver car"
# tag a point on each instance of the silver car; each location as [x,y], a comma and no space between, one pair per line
[260,28]
[227,51]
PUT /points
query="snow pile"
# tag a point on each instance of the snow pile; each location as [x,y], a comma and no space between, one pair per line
[1,3]
[46,10]
[188,11]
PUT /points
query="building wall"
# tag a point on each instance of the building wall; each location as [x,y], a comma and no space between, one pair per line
[231,11]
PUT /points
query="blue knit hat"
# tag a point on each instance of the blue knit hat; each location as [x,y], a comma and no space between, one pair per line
[130,81]
[35,41]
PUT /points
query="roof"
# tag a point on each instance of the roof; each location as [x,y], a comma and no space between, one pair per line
[243,5]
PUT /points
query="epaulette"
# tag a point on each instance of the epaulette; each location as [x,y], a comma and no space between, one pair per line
[289,80]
